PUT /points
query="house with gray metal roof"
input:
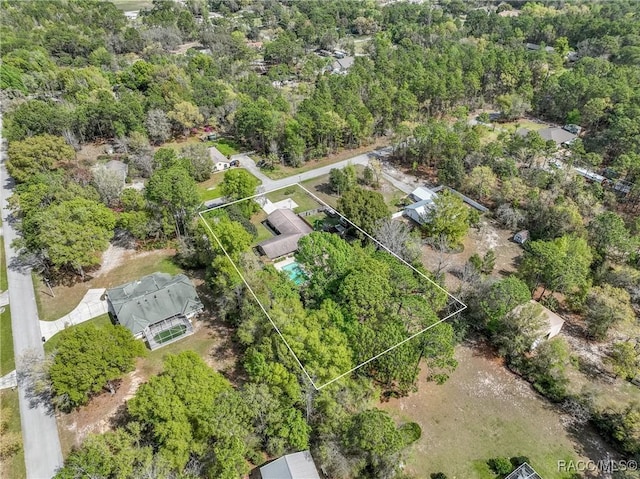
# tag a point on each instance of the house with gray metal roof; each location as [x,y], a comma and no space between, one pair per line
[158,307]
[289,228]
[299,465]
[418,211]
[423,193]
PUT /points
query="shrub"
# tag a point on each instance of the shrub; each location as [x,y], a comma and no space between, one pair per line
[517,461]
[438,475]
[500,465]
[411,432]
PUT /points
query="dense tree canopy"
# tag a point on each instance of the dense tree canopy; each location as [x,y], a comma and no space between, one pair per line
[37,155]
[449,218]
[72,233]
[88,359]
[364,207]
[445,87]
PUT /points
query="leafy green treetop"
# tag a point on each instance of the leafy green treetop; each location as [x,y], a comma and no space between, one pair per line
[449,218]
[365,208]
[88,359]
[36,155]
[73,233]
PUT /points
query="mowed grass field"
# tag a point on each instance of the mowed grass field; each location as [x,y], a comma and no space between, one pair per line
[483,411]
[304,201]
[210,189]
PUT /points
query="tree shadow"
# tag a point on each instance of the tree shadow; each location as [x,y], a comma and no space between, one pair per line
[324,188]
[120,417]
[226,353]
[33,380]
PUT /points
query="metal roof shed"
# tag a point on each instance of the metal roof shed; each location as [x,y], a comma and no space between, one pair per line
[299,465]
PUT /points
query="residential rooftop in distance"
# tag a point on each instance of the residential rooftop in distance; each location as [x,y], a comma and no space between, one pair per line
[298,465]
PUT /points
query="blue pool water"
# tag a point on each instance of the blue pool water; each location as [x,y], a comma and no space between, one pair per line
[295,273]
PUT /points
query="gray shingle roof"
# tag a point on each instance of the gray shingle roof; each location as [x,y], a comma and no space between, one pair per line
[153,298]
[290,228]
[299,465]
[557,135]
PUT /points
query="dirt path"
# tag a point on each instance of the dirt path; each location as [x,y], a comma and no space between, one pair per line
[111,259]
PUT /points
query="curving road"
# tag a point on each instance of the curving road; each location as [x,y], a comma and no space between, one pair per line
[41,443]
[268,184]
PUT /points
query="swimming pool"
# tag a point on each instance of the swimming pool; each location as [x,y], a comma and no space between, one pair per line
[295,272]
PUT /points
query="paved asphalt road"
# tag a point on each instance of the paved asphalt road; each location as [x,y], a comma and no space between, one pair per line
[41,443]
[268,184]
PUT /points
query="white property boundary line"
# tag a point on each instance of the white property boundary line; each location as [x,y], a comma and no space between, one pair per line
[464,306]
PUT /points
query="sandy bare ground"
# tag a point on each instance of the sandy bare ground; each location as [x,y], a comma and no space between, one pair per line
[479,240]
[485,411]
[113,257]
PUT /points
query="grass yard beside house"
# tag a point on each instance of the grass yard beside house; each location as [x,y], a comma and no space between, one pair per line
[226,146]
[297,194]
[133,265]
[210,189]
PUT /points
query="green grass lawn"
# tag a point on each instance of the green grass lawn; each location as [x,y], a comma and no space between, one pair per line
[68,297]
[100,322]
[482,412]
[4,284]
[304,201]
[13,467]
[263,232]
[132,5]
[210,189]
[7,361]
[226,146]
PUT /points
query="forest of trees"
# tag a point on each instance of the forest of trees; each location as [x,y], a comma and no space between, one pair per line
[77,75]
[107,79]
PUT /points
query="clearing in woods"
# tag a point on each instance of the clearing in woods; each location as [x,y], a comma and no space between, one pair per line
[484,411]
